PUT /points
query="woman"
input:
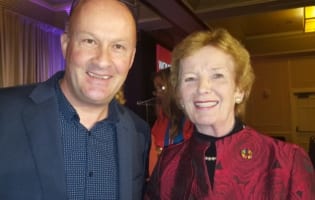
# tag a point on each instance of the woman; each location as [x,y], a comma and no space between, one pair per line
[224,159]
[170,126]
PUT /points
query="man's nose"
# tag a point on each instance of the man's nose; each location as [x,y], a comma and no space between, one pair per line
[103,56]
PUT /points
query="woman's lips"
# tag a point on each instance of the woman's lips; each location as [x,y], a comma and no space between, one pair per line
[206,104]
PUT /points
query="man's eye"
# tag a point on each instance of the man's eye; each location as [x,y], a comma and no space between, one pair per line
[119,47]
[88,42]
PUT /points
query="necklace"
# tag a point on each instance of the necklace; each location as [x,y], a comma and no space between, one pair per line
[210,158]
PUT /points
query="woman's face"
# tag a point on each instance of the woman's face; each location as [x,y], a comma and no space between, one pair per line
[207,90]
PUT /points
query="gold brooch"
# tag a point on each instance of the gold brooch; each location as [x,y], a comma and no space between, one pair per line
[247,154]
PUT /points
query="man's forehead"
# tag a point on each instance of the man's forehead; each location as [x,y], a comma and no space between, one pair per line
[131,6]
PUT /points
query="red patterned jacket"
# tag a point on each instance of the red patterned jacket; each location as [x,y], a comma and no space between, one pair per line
[249,166]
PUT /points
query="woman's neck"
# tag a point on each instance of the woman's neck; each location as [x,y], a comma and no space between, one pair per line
[221,130]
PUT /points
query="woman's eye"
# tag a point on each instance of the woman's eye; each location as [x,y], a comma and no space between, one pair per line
[217,76]
[188,79]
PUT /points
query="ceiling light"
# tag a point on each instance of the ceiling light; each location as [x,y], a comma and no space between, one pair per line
[309,19]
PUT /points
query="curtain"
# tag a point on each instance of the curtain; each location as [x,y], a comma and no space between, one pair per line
[29,50]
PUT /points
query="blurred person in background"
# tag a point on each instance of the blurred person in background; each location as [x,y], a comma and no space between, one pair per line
[171,126]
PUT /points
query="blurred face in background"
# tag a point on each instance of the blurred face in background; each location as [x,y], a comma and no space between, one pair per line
[207,90]
[99,49]
[160,87]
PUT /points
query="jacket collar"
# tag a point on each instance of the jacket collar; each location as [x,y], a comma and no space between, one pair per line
[41,124]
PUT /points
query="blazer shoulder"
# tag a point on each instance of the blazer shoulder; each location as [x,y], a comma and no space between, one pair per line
[139,123]
[15,95]
[17,91]
[32,93]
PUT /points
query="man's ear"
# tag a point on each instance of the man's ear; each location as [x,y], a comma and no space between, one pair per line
[64,41]
[132,57]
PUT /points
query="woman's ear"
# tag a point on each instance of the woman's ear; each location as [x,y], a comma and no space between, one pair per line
[239,96]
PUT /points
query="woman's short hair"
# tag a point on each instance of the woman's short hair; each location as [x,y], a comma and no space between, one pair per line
[223,40]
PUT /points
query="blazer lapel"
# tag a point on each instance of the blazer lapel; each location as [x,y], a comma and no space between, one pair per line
[42,127]
[131,157]
[124,141]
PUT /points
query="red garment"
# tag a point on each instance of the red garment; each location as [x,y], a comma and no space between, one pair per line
[249,166]
[158,131]
[160,127]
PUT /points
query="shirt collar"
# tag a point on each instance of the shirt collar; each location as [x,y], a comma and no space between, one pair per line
[64,106]
[70,113]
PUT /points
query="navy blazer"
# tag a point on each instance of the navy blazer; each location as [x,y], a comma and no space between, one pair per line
[31,151]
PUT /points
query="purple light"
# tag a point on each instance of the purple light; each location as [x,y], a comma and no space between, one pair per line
[54,7]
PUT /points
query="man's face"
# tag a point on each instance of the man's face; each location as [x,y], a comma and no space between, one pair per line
[99,51]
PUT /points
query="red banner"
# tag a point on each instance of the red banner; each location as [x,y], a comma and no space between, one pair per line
[163,58]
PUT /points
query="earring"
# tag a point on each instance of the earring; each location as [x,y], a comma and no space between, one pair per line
[238,100]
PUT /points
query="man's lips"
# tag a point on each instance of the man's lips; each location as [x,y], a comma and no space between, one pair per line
[206,104]
[98,76]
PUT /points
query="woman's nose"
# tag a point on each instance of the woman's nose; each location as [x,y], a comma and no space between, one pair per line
[204,85]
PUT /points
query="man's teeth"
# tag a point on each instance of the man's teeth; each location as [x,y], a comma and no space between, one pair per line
[206,104]
[98,76]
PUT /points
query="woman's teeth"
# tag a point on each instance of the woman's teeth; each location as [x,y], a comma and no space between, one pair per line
[206,104]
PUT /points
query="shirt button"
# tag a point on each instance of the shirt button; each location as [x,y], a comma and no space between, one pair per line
[90,174]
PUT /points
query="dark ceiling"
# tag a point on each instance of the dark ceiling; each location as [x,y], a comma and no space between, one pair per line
[255,22]
[244,18]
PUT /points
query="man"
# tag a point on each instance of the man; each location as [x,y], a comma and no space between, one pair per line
[67,138]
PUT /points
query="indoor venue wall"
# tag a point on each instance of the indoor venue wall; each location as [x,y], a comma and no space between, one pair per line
[30,50]
[273,107]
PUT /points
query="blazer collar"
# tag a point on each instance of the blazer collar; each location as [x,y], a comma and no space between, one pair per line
[131,144]
[42,128]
